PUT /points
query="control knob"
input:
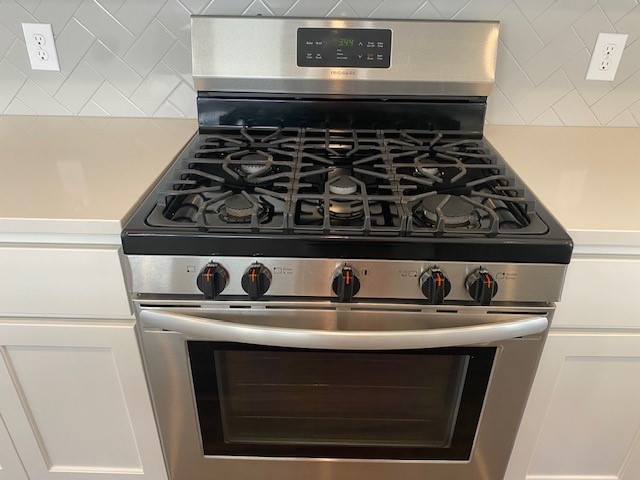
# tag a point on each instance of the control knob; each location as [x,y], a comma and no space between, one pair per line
[481,286]
[212,280]
[256,281]
[345,284]
[435,286]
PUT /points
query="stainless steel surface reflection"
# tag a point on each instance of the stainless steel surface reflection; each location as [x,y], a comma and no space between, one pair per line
[465,58]
[172,387]
[380,279]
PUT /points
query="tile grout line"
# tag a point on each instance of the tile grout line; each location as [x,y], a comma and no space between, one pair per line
[112,16]
[504,45]
[101,76]
[143,32]
[530,24]
[153,68]
[512,106]
[15,97]
[565,96]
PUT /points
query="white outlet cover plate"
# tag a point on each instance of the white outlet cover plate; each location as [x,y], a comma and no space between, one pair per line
[618,40]
[30,31]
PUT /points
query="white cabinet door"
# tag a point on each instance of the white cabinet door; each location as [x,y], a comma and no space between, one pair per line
[582,421]
[10,464]
[74,399]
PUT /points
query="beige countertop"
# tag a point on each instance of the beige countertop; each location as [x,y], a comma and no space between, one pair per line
[588,177]
[83,176]
[79,175]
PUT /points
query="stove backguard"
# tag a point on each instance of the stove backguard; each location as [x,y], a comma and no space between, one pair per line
[245,56]
[451,116]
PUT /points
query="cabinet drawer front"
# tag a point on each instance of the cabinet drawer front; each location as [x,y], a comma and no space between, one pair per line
[59,281]
[600,292]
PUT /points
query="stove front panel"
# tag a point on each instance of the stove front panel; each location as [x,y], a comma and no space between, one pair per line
[312,278]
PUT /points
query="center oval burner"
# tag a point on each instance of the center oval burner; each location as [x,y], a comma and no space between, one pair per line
[343,186]
[249,167]
[426,170]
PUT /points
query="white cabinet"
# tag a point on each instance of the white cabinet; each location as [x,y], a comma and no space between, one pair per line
[65,281]
[600,292]
[582,420]
[75,402]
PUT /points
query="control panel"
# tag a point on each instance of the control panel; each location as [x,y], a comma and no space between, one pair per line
[344,47]
[358,280]
[345,284]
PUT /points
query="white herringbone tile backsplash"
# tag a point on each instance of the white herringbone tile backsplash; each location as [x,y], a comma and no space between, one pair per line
[132,57]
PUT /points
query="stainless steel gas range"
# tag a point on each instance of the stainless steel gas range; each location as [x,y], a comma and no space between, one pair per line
[339,277]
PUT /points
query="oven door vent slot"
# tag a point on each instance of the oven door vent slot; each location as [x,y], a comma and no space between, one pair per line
[299,307]
[167,305]
[512,312]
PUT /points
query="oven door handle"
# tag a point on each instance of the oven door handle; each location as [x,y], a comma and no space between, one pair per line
[223,331]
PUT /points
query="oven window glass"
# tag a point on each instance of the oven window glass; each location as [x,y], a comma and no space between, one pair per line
[275,402]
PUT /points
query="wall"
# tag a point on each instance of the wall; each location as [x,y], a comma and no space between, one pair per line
[131,57]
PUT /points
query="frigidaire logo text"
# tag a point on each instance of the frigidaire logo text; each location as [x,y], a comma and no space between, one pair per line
[343,72]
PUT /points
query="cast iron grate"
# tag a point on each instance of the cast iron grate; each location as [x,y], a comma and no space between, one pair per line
[347,182]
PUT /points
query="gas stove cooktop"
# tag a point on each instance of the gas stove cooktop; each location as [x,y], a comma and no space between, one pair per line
[380,188]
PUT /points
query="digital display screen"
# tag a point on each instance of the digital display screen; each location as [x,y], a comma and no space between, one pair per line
[344,47]
[345,42]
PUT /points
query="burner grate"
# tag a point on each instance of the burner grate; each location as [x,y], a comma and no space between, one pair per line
[348,182]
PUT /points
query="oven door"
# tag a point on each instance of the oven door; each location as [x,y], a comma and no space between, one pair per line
[249,391]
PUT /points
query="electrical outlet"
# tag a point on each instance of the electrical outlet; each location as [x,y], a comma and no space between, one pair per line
[40,46]
[605,64]
[606,56]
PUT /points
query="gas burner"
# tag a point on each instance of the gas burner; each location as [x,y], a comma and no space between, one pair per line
[454,211]
[241,208]
[237,207]
[441,214]
[252,167]
[343,185]
[427,171]
[345,210]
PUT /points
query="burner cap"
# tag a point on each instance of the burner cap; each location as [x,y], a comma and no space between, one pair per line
[427,170]
[455,211]
[238,206]
[343,186]
[253,167]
